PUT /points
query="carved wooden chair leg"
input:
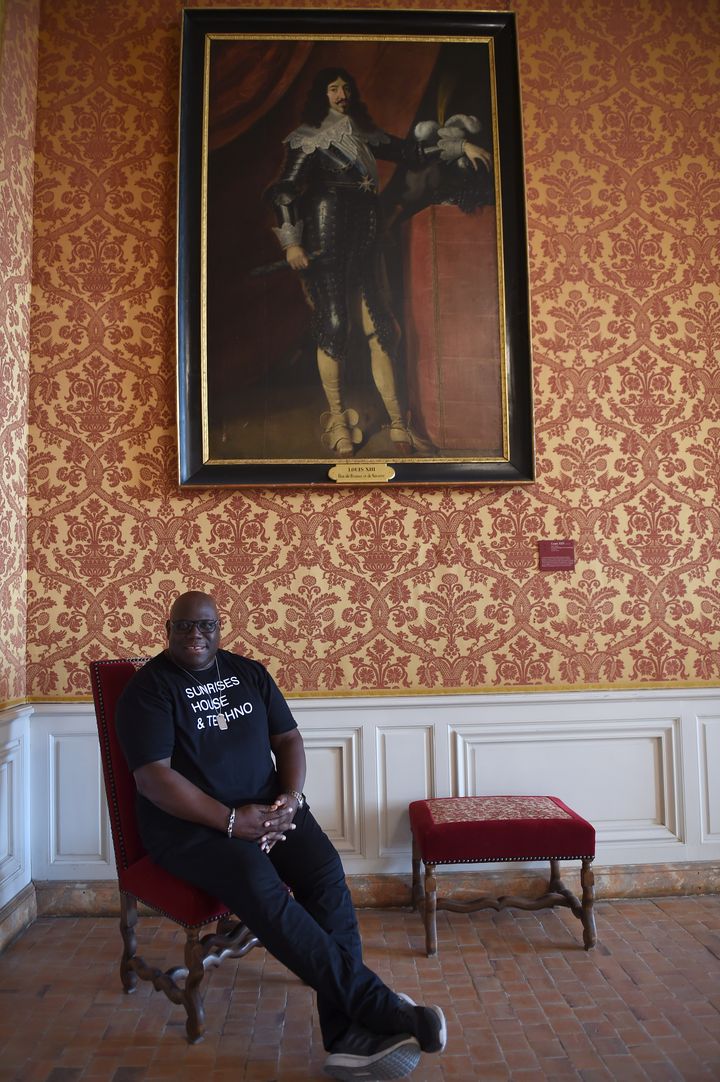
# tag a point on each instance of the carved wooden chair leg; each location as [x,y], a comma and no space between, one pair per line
[192,998]
[430,911]
[418,893]
[128,920]
[587,879]
[225,925]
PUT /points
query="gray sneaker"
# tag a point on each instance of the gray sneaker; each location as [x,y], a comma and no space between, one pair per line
[372,1056]
[426,1023]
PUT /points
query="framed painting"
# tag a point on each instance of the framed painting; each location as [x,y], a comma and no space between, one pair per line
[352,297]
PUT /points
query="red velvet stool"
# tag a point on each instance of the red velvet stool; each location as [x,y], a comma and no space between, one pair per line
[490,829]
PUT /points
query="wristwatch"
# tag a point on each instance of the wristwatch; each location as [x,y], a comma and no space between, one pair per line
[300,797]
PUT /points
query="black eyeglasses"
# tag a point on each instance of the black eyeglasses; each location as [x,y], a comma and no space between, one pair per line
[185,626]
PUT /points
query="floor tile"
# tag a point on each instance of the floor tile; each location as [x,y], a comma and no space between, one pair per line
[524,1001]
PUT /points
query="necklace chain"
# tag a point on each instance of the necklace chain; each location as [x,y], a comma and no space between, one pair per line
[221,719]
[193,676]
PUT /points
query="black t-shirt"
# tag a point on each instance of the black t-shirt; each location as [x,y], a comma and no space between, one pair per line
[168,713]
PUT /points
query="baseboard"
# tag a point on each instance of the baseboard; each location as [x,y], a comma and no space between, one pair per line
[17,915]
[64,898]
[101,898]
[621,881]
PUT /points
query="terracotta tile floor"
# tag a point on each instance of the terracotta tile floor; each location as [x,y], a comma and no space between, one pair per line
[523,1000]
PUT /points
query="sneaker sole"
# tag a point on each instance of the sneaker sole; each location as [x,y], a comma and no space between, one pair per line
[398,1062]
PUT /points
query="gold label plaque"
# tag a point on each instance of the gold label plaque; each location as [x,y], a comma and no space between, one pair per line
[361,473]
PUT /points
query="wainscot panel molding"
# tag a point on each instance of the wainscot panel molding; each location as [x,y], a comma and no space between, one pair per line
[70,826]
[643,766]
[709,775]
[15,869]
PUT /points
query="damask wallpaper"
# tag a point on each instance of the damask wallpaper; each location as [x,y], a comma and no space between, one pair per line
[18,86]
[363,590]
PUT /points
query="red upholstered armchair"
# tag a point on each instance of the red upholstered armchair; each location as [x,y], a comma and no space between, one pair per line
[141,880]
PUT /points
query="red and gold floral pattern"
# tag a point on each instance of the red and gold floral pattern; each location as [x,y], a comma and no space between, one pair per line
[18,87]
[480,809]
[467,829]
[406,589]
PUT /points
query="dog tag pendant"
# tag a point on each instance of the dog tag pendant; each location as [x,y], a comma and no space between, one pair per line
[222,721]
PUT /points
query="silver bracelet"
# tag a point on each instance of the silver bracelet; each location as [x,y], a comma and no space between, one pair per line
[231,823]
[300,797]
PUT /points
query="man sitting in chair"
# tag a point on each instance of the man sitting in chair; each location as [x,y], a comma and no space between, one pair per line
[200,727]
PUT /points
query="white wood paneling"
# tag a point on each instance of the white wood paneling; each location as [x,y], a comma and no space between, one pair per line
[622,776]
[709,777]
[78,809]
[405,773]
[643,766]
[8,825]
[15,864]
[333,785]
[70,826]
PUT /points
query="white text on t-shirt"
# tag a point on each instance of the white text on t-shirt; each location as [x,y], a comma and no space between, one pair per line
[212,688]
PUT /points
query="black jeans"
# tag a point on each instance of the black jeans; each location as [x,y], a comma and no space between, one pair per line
[313,932]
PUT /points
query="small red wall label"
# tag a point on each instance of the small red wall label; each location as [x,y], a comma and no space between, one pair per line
[556,555]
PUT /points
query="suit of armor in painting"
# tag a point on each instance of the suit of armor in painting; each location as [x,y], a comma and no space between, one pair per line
[326,201]
[329,223]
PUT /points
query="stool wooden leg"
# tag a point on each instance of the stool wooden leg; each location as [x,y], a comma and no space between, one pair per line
[558,893]
[430,911]
[555,884]
[587,879]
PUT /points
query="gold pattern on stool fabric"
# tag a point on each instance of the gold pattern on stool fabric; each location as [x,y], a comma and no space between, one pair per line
[470,809]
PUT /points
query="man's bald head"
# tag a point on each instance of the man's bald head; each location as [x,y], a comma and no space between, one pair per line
[190,600]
